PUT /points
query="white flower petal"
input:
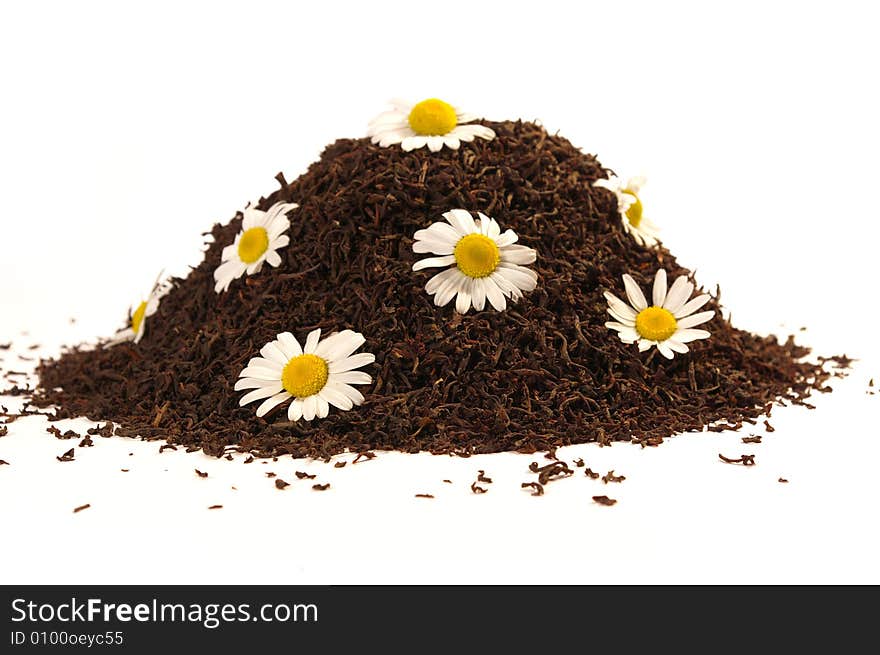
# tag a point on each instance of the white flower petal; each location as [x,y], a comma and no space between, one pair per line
[347,390]
[273,353]
[620,309]
[665,350]
[260,373]
[259,393]
[351,362]
[310,407]
[271,403]
[523,278]
[678,294]
[634,293]
[323,407]
[273,258]
[659,291]
[462,302]
[295,411]
[336,398]
[289,345]
[494,295]
[340,345]
[312,341]
[433,262]
[645,344]
[518,254]
[352,377]
[508,238]
[677,346]
[436,282]
[691,306]
[695,319]
[462,221]
[687,335]
[435,143]
[478,290]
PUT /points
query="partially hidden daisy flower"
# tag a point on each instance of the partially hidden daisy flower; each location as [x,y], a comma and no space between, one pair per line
[432,122]
[138,315]
[314,376]
[630,207]
[260,238]
[485,264]
[667,324]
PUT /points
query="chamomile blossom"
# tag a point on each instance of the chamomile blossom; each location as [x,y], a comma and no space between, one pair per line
[484,263]
[260,238]
[138,315]
[432,122]
[630,207]
[313,376]
[667,324]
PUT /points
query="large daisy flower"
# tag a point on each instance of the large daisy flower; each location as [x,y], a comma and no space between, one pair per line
[630,207]
[315,376]
[138,315]
[260,238]
[431,123]
[667,324]
[487,264]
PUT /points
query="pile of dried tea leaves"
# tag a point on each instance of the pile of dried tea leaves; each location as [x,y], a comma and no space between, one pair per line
[545,373]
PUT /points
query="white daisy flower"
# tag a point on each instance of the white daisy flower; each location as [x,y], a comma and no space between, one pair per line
[138,315]
[667,324]
[315,376]
[431,123]
[630,207]
[261,236]
[487,264]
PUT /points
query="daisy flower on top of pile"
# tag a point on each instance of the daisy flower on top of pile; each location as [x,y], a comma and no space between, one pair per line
[484,264]
[260,238]
[313,376]
[630,207]
[138,315]
[432,122]
[667,324]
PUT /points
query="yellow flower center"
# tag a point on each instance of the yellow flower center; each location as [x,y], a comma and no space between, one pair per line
[634,213]
[476,255]
[656,324]
[137,318]
[253,243]
[305,375]
[432,117]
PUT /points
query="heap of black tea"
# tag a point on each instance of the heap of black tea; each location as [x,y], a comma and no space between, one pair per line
[545,373]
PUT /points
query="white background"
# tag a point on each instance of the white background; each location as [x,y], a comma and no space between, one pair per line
[126,131]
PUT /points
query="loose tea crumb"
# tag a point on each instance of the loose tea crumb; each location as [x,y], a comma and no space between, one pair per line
[167,446]
[216,507]
[81,508]
[551,471]
[591,474]
[3,462]
[745,460]
[201,474]
[481,477]
[249,459]
[67,456]
[424,495]
[281,484]
[604,500]
[339,465]
[783,480]
[302,475]
[3,430]
[610,477]
[537,488]
[448,481]
[124,470]
[478,489]
[544,374]
[270,474]
[752,439]
[769,427]
[579,462]
[366,456]
[321,487]
[86,442]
